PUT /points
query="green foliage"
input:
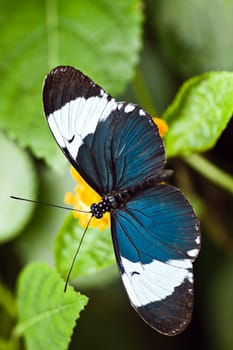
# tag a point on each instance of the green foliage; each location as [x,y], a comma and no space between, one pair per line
[96,252]
[199,113]
[7,301]
[195,36]
[47,315]
[8,314]
[34,39]
[77,33]
[7,345]
[36,242]
[17,177]
[102,39]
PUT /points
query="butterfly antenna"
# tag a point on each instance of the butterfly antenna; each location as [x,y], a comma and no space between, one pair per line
[76,253]
[49,204]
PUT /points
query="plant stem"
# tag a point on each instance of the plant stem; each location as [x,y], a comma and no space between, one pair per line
[211,172]
[142,94]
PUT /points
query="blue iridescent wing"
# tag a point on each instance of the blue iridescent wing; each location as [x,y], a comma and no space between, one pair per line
[107,142]
[116,146]
[156,239]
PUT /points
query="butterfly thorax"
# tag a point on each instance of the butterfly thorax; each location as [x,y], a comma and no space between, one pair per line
[117,199]
[108,203]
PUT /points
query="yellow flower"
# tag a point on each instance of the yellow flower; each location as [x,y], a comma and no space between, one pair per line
[162,125]
[81,199]
[84,195]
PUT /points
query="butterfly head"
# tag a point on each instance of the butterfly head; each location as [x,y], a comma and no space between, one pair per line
[108,203]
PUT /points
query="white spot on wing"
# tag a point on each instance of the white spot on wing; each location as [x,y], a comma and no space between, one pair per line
[129,108]
[192,252]
[141,112]
[79,118]
[155,281]
[198,239]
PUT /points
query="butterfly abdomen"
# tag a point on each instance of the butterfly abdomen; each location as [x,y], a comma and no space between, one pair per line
[117,200]
[150,181]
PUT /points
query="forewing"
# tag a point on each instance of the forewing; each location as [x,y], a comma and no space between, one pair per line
[137,148]
[78,111]
[106,141]
[156,239]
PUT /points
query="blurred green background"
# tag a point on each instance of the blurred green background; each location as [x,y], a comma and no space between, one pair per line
[119,44]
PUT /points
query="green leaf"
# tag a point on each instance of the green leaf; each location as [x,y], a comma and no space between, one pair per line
[96,251]
[98,38]
[199,113]
[17,177]
[46,314]
[8,344]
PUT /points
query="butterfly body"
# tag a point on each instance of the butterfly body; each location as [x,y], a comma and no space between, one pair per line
[117,200]
[117,149]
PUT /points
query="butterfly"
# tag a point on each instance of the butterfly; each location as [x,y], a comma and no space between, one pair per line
[116,148]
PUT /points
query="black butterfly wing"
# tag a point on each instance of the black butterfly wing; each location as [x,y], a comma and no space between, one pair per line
[106,141]
[156,239]
[75,109]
